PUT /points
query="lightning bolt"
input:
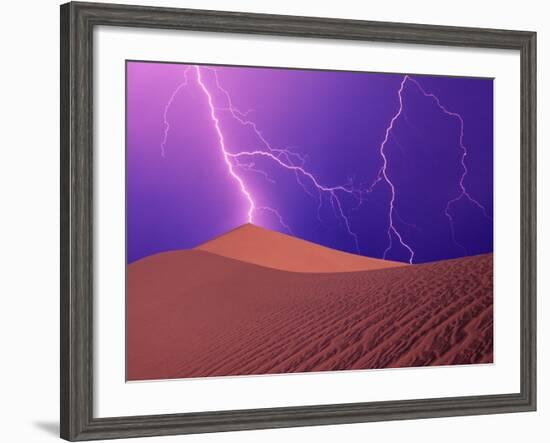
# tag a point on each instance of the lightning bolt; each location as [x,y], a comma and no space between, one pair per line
[166,108]
[288,160]
[283,158]
[383,173]
[291,158]
[226,156]
[463,192]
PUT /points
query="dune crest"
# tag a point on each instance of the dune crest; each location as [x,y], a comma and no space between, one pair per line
[252,244]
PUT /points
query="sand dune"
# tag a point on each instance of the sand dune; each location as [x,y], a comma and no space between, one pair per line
[195,314]
[252,244]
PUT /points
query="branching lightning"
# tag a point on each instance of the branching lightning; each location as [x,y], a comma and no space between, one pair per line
[383,173]
[283,158]
[286,159]
[331,191]
[463,192]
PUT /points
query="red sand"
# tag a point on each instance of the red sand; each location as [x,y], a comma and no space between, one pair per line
[252,244]
[196,314]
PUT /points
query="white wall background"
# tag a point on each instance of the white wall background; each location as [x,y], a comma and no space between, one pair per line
[29,187]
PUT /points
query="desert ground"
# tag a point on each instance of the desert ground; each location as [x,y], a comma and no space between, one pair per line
[278,304]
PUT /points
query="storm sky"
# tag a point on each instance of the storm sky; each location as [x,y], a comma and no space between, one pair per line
[367,163]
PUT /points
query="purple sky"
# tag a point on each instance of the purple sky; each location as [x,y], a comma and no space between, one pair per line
[325,179]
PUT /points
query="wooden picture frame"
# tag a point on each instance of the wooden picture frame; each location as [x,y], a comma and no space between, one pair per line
[77,23]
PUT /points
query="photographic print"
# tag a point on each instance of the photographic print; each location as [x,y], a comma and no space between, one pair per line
[295,220]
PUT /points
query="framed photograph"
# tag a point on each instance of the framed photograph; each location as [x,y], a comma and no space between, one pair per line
[272,221]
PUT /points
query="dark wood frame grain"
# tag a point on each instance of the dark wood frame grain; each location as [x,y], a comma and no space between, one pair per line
[77,23]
